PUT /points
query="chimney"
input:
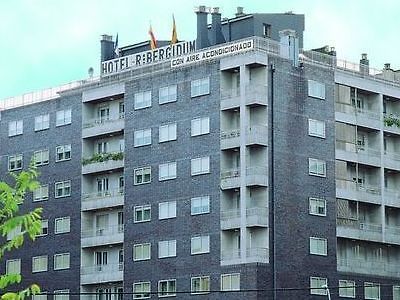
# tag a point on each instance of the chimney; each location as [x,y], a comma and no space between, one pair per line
[289,46]
[202,29]
[364,64]
[216,30]
[387,66]
[239,11]
[107,47]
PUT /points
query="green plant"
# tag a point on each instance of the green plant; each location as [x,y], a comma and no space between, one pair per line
[391,120]
[101,157]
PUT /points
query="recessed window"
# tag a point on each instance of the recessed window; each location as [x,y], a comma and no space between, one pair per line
[230,282]
[167,171]
[61,261]
[267,30]
[317,285]
[167,210]
[141,290]
[42,122]
[44,229]
[200,87]
[200,165]
[200,126]
[62,225]
[396,292]
[200,244]
[13,266]
[15,127]
[41,157]
[142,137]
[316,128]
[141,251]
[61,294]
[347,289]
[200,285]
[316,167]
[167,132]
[63,152]
[15,162]
[317,206]
[62,189]
[200,205]
[318,246]
[39,263]
[142,213]
[142,100]
[167,94]
[63,117]
[316,89]
[372,291]
[142,175]
[166,249]
[167,288]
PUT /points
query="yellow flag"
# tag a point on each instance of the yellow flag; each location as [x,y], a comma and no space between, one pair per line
[153,41]
[174,38]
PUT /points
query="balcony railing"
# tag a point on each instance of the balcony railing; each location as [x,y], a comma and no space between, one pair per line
[348,184]
[352,147]
[257,254]
[392,155]
[350,109]
[98,232]
[251,171]
[102,194]
[102,268]
[230,173]
[229,134]
[351,223]
[372,267]
[102,157]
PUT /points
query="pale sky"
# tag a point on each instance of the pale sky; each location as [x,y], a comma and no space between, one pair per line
[45,43]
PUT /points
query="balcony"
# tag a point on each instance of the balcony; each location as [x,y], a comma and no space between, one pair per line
[348,189]
[255,176]
[230,139]
[356,153]
[102,273]
[102,236]
[230,257]
[392,197]
[259,255]
[369,267]
[255,94]
[103,162]
[391,160]
[392,235]
[104,199]
[230,219]
[353,229]
[255,135]
[349,114]
[253,255]
[391,122]
[255,217]
[96,127]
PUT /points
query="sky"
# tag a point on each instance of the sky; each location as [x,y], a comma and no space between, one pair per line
[45,43]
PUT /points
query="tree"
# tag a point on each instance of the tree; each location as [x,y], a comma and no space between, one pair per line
[23,224]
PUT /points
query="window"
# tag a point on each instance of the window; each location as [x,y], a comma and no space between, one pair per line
[141,290]
[267,30]
[396,292]
[318,246]
[61,295]
[200,87]
[167,133]
[166,249]
[62,225]
[200,126]
[141,251]
[39,264]
[200,165]
[44,228]
[142,213]
[200,205]
[61,261]
[167,171]
[316,285]
[317,206]
[316,128]
[142,175]
[15,162]
[200,244]
[142,100]
[42,122]
[63,189]
[316,167]
[142,137]
[347,289]
[15,127]
[316,89]
[41,296]
[167,94]
[372,291]
[167,288]
[63,117]
[121,110]
[230,282]
[13,266]
[200,285]
[63,152]
[41,193]
[13,233]
[41,157]
[167,210]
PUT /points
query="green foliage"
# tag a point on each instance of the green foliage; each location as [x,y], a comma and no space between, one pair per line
[10,220]
[391,120]
[101,157]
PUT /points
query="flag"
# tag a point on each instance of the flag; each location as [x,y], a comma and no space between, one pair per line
[153,41]
[116,49]
[174,38]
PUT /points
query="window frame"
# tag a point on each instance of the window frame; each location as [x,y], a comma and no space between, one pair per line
[61,294]
[318,164]
[203,126]
[313,124]
[168,97]
[144,140]
[62,256]
[318,290]
[170,248]
[40,191]
[169,210]
[201,278]
[144,103]
[171,132]
[66,117]
[62,219]
[65,149]
[168,293]
[42,162]
[15,128]
[370,285]
[136,294]
[142,247]
[314,248]
[41,123]
[18,160]
[316,89]
[310,206]
[347,287]
[44,269]
[230,276]
[171,170]
[201,171]
[141,169]
[44,227]
[200,87]
[141,208]
[12,261]
[65,184]
[201,199]
[204,244]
